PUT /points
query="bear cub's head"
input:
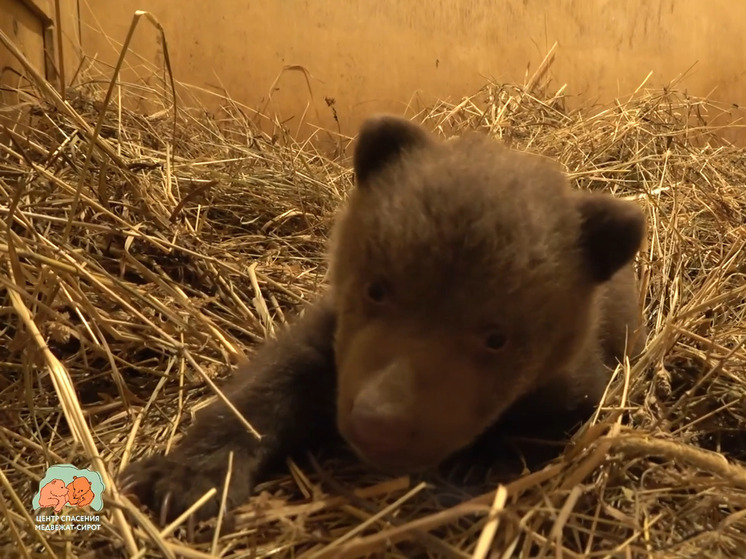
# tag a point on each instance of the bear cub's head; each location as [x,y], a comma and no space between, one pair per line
[464,275]
[79,486]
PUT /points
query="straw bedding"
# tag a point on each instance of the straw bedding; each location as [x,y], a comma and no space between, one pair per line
[140,264]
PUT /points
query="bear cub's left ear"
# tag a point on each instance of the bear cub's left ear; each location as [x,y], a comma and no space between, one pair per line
[612,231]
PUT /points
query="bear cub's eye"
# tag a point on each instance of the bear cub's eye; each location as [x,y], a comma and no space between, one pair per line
[495,340]
[377,292]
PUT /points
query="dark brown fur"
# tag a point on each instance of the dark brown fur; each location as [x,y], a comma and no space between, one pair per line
[473,295]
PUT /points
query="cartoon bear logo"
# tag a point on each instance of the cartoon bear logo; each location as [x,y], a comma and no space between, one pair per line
[64,484]
[79,492]
[53,494]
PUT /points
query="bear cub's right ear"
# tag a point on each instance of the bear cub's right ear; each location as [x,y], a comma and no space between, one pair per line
[612,231]
[381,142]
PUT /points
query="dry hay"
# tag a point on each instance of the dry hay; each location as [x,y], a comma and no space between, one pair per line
[135,268]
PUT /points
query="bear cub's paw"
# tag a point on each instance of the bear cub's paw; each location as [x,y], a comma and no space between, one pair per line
[169,486]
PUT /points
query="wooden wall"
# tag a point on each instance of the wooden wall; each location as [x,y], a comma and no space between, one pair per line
[30,25]
[373,55]
[26,30]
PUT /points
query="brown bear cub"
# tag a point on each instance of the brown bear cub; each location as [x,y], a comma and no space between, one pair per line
[473,295]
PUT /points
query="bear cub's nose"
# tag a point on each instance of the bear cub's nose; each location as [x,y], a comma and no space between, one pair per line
[379,432]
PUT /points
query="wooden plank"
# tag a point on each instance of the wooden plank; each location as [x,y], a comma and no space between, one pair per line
[32,26]
[43,9]
[69,42]
[26,29]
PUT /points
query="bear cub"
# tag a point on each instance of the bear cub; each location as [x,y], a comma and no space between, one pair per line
[473,295]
